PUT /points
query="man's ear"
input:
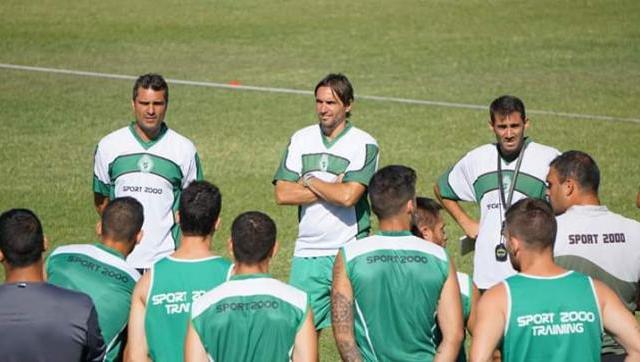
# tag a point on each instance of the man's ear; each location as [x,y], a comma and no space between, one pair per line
[230,247]
[526,123]
[569,187]
[216,226]
[1,257]
[99,228]
[177,216]
[427,233]
[46,243]
[275,249]
[139,236]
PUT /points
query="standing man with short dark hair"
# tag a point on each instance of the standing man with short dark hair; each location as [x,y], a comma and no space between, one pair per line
[591,239]
[495,176]
[100,270]
[252,317]
[325,172]
[40,321]
[545,312]
[162,299]
[389,289]
[150,162]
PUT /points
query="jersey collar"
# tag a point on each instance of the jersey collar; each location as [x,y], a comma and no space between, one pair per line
[394,233]
[250,276]
[327,142]
[109,250]
[147,144]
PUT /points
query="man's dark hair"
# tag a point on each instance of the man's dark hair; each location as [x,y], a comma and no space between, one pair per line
[21,237]
[254,235]
[580,167]
[506,105]
[122,219]
[390,189]
[200,205]
[153,81]
[532,221]
[426,213]
[341,87]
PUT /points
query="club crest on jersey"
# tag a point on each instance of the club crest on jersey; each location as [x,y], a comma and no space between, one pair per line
[145,164]
[506,182]
[324,162]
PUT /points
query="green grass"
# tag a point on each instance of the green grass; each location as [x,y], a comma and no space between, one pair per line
[569,56]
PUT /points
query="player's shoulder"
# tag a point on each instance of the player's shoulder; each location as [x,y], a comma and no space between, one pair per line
[115,137]
[539,148]
[362,135]
[306,133]
[179,138]
[376,243]
[67,297]
[481,153]
[73,249]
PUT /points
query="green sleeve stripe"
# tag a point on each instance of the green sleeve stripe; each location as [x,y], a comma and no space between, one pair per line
[370,166]
[100,187]
[363,216]
[199,172]
[283,173]
[446,191]
[144,162]
[526,184]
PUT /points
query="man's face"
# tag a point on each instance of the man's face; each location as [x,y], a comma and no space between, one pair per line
[149,108]
[509,132]
[511,249]
[555,192]
[439,234]
[330,109]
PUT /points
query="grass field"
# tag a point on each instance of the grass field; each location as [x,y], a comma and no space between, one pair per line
[566,56]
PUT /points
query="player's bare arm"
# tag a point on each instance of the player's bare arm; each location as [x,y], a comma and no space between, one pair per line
[489,325]
[293,193]
[137,349]
[450,318]
[345,194]
[618,321]
[100,201]
[475,296]
[468,224]
[306,345]
[193,349]
[342,313]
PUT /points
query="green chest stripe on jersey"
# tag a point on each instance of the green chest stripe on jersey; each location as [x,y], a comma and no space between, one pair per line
[526,184]
[283,173]
[324,162]
[146,163]
[370,166]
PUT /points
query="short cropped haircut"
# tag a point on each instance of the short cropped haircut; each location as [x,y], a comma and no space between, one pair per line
[580,167]
[200,205]
[506,105]
[426,213]
[390,189]
[341,87]
[254,235]
[532,221]
[154,81]
[122,219]
[21,237]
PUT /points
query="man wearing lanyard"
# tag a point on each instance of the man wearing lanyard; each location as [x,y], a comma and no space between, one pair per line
[495,176]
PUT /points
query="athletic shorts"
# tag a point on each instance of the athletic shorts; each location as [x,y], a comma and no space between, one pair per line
[314,276]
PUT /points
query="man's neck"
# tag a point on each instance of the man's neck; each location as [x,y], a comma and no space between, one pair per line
[332,133]
[32,273]
[146,136]
[510,157]
[395,223]
[589,199]
[121,247]
[540,264]
[258,268]
[194,247]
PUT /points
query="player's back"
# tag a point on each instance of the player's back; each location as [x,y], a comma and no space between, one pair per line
[252,317]
[103,274]
[397,280]
[42,322]
[175,284]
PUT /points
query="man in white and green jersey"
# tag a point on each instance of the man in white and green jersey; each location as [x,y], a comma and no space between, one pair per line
[162,299]
[429,225]
[325,172]
[390,326]
[545,312]
[100,270]
[252,317]
[148,161]
[591,239]
[495,176]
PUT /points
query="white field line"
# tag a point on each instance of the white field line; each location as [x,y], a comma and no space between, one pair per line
[305,92]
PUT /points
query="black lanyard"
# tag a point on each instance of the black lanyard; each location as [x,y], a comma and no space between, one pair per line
[512,187]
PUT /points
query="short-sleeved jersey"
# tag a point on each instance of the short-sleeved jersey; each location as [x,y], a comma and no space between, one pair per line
[475,178]
[252,317]
[175,285]
[324,227]
[552,319]
[152,172]
[466,291]
[604,245]
[392,326]
[104,275]
[40,322]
